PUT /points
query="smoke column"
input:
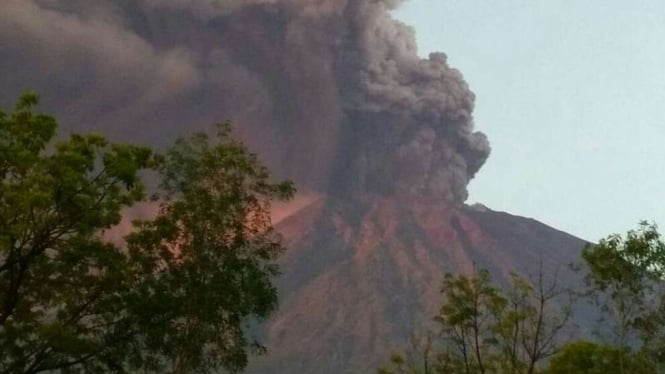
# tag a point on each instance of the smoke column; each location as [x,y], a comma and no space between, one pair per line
[331,93]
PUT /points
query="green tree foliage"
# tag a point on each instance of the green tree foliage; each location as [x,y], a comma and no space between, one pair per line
[174,299]
[208,257]
[483,329]
[59,283]
[422,358]
[468,319]
[625,276]
[592,358]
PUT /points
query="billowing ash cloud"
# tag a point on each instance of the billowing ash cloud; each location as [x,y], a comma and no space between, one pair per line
[331,92]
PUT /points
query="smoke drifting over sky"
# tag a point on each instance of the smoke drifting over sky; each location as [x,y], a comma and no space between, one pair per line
[330,93]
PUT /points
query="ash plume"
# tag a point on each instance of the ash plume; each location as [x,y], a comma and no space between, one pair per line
[331,93]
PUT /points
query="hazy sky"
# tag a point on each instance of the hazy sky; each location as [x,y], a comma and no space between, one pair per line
[572,97]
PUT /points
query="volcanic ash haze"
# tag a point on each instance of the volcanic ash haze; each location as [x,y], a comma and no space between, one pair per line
[330,92]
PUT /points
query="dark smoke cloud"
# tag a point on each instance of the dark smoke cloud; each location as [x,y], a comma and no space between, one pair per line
[331,92]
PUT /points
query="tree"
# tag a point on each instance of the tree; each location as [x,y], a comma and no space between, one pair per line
[529,329]
[58,281]
[420,359]
[207,259]
[593,358]
[175,298]
[625,276]
[483,329]
[467,319]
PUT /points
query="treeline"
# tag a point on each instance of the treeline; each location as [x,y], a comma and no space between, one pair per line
[526,327]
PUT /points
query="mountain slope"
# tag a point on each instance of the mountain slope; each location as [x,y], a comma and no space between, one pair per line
[362,275]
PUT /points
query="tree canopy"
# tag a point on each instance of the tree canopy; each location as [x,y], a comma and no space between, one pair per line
[625,280]
[175,296]
[596,358]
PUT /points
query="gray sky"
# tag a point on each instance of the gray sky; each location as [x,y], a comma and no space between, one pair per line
[572,97]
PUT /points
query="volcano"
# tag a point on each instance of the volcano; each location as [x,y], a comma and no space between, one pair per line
[362,276]
[331,94]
